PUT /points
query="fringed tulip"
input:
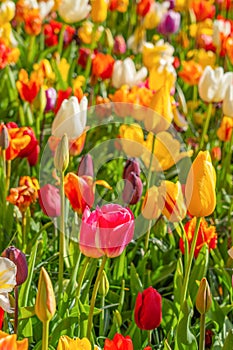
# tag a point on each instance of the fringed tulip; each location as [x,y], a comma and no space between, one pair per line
[66,343]
[148,309]
[200,186]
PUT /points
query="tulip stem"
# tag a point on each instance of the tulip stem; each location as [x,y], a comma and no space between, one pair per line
[188,267]
[149,337]
[45,335]
[94,294]
[82,275]
[16,292]
[61,240]
[202,332]
[8,174]
[148,236]
[206,126]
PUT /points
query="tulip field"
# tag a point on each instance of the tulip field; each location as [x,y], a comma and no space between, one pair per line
[116,175]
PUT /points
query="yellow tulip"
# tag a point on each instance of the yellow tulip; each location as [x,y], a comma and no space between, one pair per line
[166,151]
[132,140]
[45,306]
[66,343]
[85,32]
[174,207]
[99,10]
[7,12]
[9,342]
[150,206]
[200,186]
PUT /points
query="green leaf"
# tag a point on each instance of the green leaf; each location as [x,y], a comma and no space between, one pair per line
[178,282]
[184,337]
[135,282]
[26,312]
[163,272]
[228,344]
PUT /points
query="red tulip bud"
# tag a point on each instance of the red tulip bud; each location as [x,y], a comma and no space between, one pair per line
[148,309]
[19,259]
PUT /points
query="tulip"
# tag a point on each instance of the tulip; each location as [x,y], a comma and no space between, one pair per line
[224,132]
[70,118]
[203,298]
[213,84]
[4,137]
[7,282]
[102,65]
[51,96]
[61,157]
[151,206]
[45,306]
[119,46]
[132,139]
[170,23]
[148,309]
[9,342]
[124,73]
[19,259]
[131,165]
[7,12]
[66,343]
[106,231]
[200,186]
[99,10]
[133,188]
[86,166]
[104,285]
[221,28]
[49,200]
[174,206]
[119,342]
[227,105]
[73,11]
[156,13]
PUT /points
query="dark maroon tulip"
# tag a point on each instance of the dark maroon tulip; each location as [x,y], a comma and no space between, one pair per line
[49,200]
[133,189]
[51,97]
[19,259]
[170,23]
[131,165]
[86,166]
[148,309]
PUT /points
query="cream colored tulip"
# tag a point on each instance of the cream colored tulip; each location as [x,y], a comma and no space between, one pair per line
[124,73]
[72,11]
[71,118]
[227,105]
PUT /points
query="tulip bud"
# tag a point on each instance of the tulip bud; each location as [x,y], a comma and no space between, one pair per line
[61,158]
[4,137]
[131,165]
[119,47]
[133,189]
[19,259]
[39,102]
[109,41]
[45,306]
[86,166]
[51,98]
[104,285]
[148,309]
[200,186]
[117,319]
[203,298]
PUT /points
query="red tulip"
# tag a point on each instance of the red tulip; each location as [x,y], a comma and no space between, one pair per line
[119,342]
[49,200]
[106,231]
[148,309]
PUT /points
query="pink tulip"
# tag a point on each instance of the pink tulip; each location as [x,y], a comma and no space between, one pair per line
[106,231]
[49,199]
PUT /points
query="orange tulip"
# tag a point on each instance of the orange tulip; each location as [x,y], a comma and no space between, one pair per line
[200,186]
[225,130]
[99,10]
[150,206]
[9,342]
[102,65]
[191,72]
[28,88]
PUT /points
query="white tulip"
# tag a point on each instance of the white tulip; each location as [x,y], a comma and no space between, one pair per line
[124,73]
[45,7]
[213,84]
[72,11]
[227,105]
[7,282]
[71,118]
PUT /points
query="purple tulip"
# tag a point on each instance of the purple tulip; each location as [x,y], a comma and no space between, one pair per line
[51,96]
[131,165]
[170,23]
[133,188]
[19,259]
[172,4]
